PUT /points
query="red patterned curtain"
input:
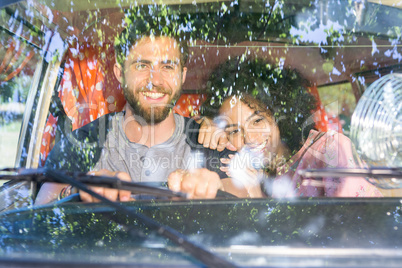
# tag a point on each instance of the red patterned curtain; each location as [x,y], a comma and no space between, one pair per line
[89,88]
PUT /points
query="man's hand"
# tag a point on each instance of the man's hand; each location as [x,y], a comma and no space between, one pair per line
[199,183]
[213,137]
[112,194]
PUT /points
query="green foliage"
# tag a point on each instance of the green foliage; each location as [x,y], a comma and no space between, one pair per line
[214,22]
[6,91]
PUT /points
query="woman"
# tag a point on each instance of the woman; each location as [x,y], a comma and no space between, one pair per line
[254,130]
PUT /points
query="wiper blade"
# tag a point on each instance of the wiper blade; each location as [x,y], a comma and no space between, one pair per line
[40,175]
[395,173]
[203,255]
[382,177]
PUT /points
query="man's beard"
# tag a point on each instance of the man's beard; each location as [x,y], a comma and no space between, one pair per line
[154,114]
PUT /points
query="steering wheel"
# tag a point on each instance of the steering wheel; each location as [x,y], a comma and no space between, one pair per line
[76,197]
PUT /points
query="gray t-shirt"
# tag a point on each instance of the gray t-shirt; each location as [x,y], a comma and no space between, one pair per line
[142,163]
[103,144]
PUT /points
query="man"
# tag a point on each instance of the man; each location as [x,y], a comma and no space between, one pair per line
[146,142]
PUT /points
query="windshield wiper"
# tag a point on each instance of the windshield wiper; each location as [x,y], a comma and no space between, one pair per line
[40,175]
[198,252]
[378,173]
[353,172]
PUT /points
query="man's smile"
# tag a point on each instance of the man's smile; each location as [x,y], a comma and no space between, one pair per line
[153,95]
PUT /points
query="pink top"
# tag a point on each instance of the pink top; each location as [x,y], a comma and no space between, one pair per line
[331,150]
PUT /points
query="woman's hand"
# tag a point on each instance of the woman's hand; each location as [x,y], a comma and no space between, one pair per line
[245,180]
[226,162]
[250,171]
[213,137]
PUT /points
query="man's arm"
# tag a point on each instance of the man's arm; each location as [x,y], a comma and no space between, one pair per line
[76,151]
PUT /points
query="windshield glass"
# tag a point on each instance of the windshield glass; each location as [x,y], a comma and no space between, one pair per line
[277,101]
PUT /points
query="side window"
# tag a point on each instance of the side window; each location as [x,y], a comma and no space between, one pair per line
[18,61]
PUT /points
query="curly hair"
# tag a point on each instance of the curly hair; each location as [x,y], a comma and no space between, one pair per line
[282,92]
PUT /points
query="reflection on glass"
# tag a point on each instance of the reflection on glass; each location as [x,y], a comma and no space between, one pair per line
[333,44]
